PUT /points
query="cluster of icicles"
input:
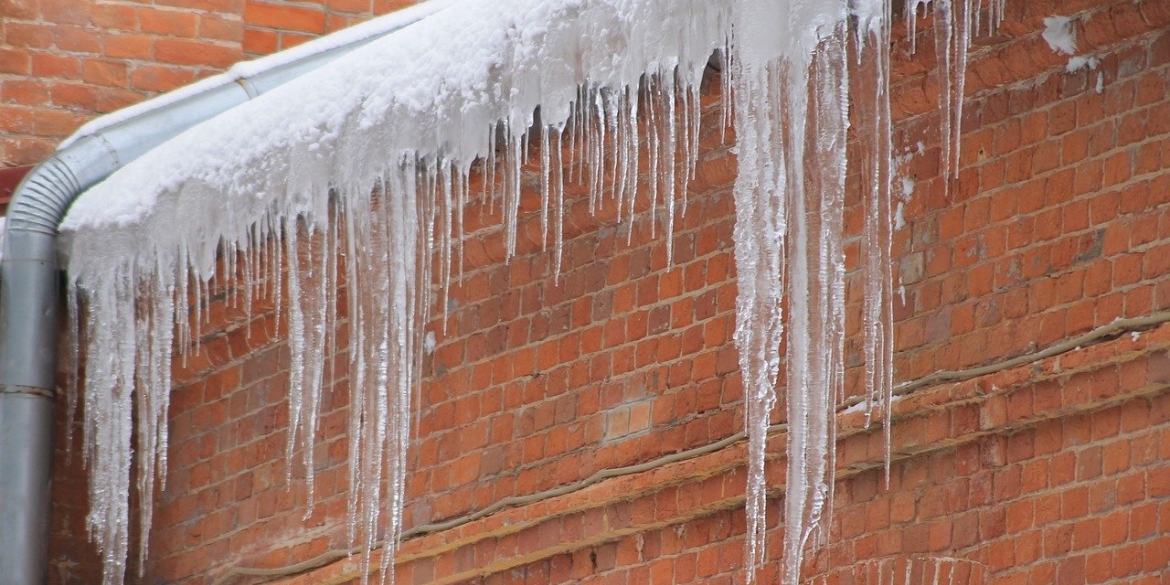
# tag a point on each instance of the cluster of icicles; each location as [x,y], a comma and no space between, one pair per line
[382,209]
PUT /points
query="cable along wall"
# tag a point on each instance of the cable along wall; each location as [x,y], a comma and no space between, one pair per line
[371,163]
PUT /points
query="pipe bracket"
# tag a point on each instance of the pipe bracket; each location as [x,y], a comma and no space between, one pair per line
[18,389]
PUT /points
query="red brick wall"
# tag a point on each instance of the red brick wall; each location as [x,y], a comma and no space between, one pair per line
[1050,469]
[63,62]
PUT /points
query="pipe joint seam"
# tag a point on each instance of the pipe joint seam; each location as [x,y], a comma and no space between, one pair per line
[31,390]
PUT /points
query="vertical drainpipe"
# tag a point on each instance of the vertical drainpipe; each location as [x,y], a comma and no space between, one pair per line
[30,286]
[28,366]
[30,275]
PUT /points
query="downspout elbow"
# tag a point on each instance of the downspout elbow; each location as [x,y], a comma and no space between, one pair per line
[29,281]
[29,297]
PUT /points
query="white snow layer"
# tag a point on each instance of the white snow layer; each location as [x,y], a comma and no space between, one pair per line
[245,69]
[359,173]
[1078,62]
[1060,35]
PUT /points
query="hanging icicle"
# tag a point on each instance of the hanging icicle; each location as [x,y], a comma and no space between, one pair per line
[875,138]
[791,117]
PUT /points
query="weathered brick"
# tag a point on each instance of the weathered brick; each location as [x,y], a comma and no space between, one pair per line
[284,18]
[184,52]
[173,23]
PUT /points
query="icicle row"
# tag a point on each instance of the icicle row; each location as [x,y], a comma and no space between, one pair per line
[955,24]
[789,200]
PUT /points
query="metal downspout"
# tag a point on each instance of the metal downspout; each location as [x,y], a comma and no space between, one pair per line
[30,278]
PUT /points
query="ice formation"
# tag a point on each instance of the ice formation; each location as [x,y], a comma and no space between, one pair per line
[1079,62]
[906,570]
[286,181]
[359,174]
[1060,34]
[1061,37]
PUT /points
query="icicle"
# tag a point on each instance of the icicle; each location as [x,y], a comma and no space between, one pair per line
[955,21]
[107,426]
[760,233]
[491,164]
[574,127]
[447,236]
[559,208]
[511,192]
[816,291]
[296,344]
[655,144]
[596,150]
[669,92]
[791,116]
[330,284]
[71,363]
[875,138]
[952,29]
[464,197]
[307,341]
[545,187]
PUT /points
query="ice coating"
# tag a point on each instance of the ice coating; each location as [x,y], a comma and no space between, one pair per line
[791,115]
[403,119]
[369,160]
[1060,34]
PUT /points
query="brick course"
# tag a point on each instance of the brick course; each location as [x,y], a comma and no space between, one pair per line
[1050,470]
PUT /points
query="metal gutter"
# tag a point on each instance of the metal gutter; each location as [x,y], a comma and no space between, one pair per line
[29,271]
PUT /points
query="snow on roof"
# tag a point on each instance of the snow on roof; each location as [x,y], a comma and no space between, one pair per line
[432,89]
[244,69]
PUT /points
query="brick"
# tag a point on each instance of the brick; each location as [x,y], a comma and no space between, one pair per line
[159,78]
[175,23]
[24,92]
[129,46]
[27,35]
[53,123]
[14,61]
[65,12]
[105,72]
[16,119]
[351,6]
[182,52]
[290,40]
[213,6]
[284,17]
[223,29]
[19,9]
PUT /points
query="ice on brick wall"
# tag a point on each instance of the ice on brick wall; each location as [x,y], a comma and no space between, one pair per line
[360,173]
[368,161]
[1060,34]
